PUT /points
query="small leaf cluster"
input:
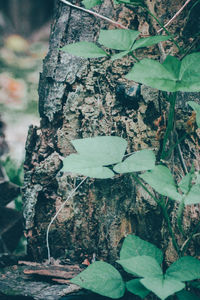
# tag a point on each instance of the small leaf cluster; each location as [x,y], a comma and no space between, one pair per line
[171,76]
[123,40]
[95,157]
[103,156]
[143,261]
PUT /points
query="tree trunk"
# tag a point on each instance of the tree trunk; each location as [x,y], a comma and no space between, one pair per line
[81,98]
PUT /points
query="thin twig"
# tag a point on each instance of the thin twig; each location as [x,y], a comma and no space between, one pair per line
[55,216]
[95,14]
[176,15]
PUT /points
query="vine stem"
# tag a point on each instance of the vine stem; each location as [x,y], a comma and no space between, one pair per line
[91,12]
[175,16]
[180,216]
[162,204]
[55,216]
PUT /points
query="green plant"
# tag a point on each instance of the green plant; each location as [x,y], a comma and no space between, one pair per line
[123,40]
[103,157]
[142,260]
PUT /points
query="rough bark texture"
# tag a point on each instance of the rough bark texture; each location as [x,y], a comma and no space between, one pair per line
[81,98]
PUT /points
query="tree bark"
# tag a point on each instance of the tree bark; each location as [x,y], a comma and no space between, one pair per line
[79,98]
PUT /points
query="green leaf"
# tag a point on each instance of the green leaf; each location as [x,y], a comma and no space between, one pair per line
[84,49]
[135,287]
[173,65]
[171,76]
[149,41]
[140,161]
[142,266]
[161,180]
[196,107]
[101,278]
[185,183]
[162,287]
[118,39]
[184,269]
[134,246]
[78,165]
[119,55]
[189,76]
[185,295]
[106,150]
[193,196]
[93,154]
[91,3]
[153,74]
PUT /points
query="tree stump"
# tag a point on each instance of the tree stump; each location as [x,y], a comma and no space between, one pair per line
[81,98]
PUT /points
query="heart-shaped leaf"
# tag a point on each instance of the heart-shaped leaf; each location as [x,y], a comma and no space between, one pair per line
[134,246]
[135,287]
[142,266]
[94,154]
[162,287]
[161,180]
[196,107]
[185,269]
[171,76]
[118,39]
[84,49]
[101,278]
[149,41]
[140,161]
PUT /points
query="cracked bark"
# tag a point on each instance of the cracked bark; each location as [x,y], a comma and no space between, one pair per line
[77,99]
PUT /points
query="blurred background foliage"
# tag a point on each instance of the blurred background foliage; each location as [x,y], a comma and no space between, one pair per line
[24,34]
